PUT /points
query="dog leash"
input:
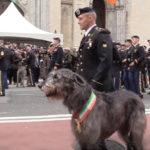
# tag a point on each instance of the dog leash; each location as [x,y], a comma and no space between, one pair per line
[84,112]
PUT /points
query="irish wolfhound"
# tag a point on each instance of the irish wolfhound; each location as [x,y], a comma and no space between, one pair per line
[97,115]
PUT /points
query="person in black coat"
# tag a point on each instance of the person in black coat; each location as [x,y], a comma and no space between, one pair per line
[31,65]
[6,63]
[136,58]
[148,61]
[56,56]
[2,87]
[95,52]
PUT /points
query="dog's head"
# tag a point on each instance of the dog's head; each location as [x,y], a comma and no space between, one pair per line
[60,83]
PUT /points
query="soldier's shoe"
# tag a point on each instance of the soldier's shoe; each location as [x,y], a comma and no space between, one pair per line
[143,90]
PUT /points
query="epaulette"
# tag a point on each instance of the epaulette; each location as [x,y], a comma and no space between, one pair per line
[103,30]
[99,29]
[60,46]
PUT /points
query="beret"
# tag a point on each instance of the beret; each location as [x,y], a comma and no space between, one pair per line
[81,11]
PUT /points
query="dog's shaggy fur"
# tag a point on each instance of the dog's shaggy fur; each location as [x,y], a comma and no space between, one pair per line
[121,111]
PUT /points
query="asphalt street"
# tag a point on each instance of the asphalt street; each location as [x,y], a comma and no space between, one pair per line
[30,101]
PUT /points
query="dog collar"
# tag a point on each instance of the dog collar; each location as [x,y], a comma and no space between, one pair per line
[87,108]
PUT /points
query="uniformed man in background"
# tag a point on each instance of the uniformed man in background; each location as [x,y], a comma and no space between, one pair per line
[136,58]
[56,56]
[125,63]
[95,52]
[30,65]
[2,87]
[67,61]
[148,62]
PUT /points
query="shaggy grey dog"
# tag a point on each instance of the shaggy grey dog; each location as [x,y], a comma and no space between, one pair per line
[121,111]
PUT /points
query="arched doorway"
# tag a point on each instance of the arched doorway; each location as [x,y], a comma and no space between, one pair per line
[5,3]
[99,7]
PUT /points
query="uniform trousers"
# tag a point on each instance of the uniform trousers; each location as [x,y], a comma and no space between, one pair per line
[117,80]
[126,79]
[2,88]
[134,82]
[5,79]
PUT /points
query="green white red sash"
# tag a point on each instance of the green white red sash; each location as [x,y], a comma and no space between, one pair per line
[87,108]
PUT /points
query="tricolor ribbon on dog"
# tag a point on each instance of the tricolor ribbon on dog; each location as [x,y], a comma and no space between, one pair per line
[87,108]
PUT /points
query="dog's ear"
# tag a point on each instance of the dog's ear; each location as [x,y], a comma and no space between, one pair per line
[79,80]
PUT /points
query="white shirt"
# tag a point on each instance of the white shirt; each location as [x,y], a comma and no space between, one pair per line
[89,29]
[135,44]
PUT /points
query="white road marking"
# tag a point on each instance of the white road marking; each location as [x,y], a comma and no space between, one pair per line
[35,118]
[147,111]
[45,118]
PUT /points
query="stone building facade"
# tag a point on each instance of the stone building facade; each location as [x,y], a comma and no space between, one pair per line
[124,19]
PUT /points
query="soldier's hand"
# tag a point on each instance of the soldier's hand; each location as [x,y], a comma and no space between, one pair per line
[131,64]
[55,68]
[123,61]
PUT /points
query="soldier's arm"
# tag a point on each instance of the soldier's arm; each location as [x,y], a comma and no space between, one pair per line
[59,57]
[141,55]
[104,52]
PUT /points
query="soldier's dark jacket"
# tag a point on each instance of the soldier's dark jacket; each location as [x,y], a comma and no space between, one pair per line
[148,60]
[6,60]
[95,59]
[57,58]
[67,61]
[116,66]
[31,59]
[136,55]
[124,55]
[2,54]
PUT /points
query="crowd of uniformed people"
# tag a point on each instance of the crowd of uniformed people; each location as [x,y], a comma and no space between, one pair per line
[24,65]
[130,69]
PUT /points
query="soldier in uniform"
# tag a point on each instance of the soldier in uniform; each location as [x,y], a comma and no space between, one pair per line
[67,61]
[125,63]
[30,65]
[8,59]
[95,52]
[116,67]
[148,62]
[136,58]
[2,88]
[57,56]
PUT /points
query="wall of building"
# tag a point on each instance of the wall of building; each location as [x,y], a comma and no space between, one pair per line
[138,22]
[37,12]
[116,20]
[67,22]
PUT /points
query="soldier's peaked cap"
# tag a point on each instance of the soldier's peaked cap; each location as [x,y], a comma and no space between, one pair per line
[81,11]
